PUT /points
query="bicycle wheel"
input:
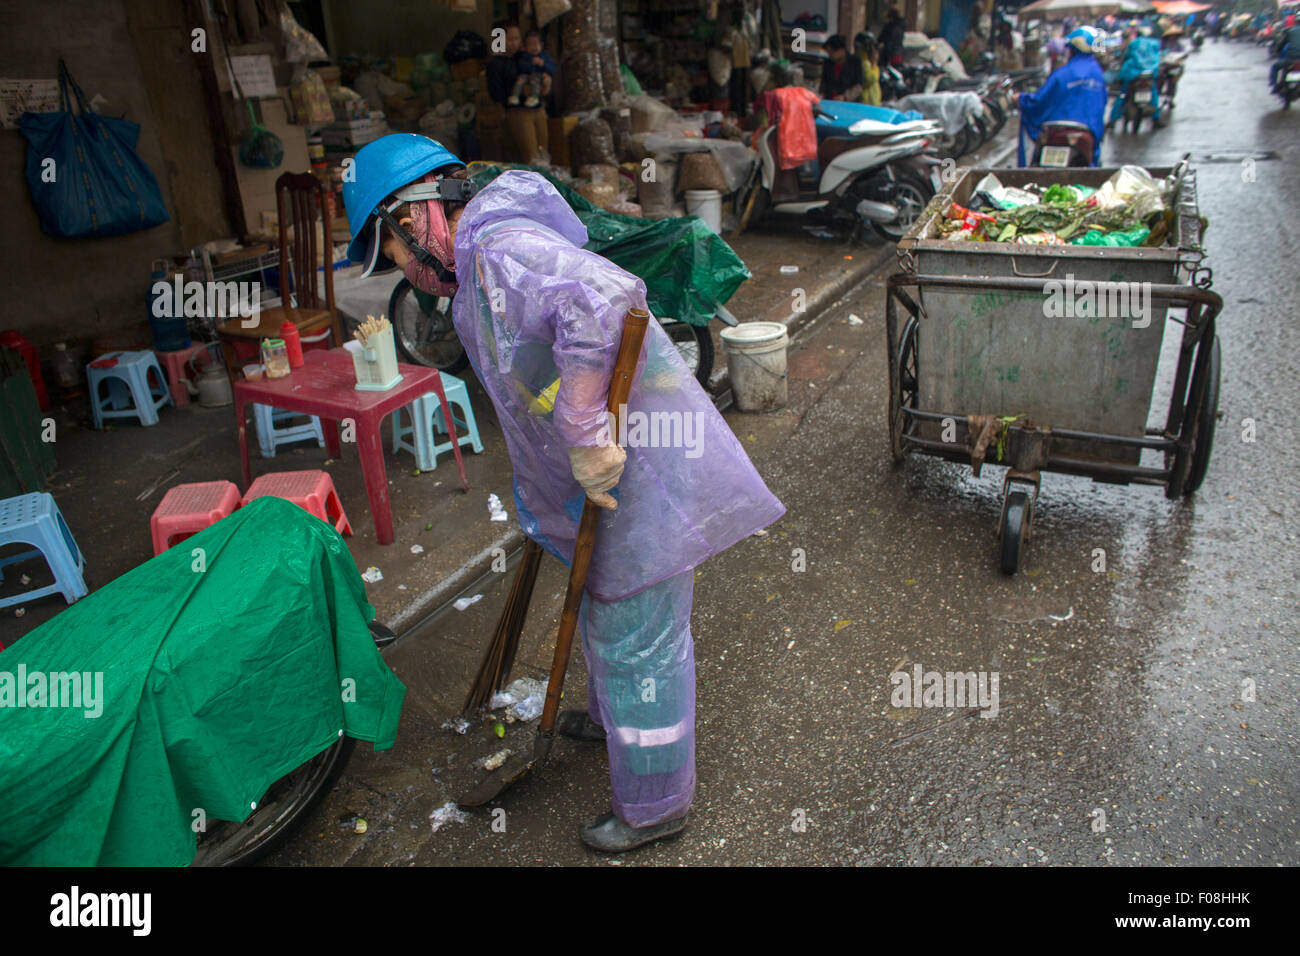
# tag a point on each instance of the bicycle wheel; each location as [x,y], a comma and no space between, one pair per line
[423,330]
[695,345]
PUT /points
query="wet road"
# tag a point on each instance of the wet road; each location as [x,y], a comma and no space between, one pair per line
[1125,731]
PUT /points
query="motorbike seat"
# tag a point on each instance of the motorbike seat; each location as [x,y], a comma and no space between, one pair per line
[1064,125]
[832,146]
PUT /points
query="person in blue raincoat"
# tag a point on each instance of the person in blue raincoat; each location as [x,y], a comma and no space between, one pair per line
[1075,91]
[541,319]
[1142,55]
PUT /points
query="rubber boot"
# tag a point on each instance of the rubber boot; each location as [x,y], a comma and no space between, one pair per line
[578,725]
[609,834]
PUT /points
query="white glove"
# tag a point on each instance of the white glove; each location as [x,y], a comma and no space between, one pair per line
[598,469]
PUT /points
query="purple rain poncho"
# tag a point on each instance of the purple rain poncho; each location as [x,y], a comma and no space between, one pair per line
[541,320]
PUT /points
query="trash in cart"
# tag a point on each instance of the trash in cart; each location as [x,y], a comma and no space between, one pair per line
[1128,209]
[1042,356]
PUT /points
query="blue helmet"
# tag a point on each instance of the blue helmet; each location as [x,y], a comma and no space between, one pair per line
[381,169]
[1083,39]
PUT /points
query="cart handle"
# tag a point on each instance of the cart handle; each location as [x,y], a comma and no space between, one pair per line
[1034,275]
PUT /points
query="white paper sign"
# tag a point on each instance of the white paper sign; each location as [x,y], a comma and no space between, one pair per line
[26,96]
[253,76]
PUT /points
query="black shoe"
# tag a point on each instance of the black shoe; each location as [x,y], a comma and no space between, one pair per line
[578,725]
[609,834]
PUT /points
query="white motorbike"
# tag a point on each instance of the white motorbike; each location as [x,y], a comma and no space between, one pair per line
[868,171]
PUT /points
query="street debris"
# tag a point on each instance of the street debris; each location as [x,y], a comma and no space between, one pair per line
[417,549]
[458,724]
[372,575]
[855,319]
[495,509]
[495,760]
[461,603]
[523,699]
[447,813]
[789,270]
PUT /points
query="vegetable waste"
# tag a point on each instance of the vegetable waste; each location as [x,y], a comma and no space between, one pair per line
[1129,209]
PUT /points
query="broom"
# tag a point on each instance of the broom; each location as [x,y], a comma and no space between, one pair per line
[494,670]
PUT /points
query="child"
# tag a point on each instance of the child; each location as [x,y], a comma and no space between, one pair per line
[535,68]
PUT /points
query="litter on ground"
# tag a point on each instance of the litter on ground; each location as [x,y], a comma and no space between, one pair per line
[447,813]
[523,699]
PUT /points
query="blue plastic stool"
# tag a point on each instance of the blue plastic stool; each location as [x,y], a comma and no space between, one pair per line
[130,393]
[270,436]
[35,519]
[426,414]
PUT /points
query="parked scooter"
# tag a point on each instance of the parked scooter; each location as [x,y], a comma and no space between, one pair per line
[1063,143]
[867,171]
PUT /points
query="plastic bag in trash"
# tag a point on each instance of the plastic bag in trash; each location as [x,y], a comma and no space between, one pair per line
[1134,187]
[1095,237]
[991,189]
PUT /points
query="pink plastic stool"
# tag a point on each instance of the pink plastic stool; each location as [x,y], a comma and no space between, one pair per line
[188,509]
[312,491]
[175,362]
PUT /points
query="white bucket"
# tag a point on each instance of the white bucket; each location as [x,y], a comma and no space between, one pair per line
[756,360]
[707,204]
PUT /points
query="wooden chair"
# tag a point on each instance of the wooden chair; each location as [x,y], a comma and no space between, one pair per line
[306,212]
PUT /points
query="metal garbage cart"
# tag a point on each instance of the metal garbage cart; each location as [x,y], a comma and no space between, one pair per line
[990,359]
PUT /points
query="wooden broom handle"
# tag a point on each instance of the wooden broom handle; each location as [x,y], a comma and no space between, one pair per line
[629,351]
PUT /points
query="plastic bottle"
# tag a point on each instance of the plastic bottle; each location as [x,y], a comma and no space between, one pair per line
[292,343]
[67,373]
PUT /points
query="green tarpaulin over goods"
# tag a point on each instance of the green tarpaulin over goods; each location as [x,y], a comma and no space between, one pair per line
[202,679]
[688,270]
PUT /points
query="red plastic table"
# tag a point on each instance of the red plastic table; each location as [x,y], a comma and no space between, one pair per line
[325,386]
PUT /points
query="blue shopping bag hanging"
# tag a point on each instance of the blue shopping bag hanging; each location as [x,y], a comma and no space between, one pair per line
[83,172]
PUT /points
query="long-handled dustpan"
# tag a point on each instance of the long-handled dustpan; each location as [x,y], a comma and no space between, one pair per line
[518,765]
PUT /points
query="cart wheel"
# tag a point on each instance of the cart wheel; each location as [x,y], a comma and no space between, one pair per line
[1206,417]
[905,375]
[1015,530]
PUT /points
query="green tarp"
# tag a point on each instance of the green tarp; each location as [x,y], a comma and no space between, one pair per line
[687,269]
[219,673]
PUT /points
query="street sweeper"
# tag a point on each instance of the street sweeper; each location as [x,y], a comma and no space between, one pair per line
[541,320]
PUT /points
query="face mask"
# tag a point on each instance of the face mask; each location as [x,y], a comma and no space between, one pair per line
[430,228]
